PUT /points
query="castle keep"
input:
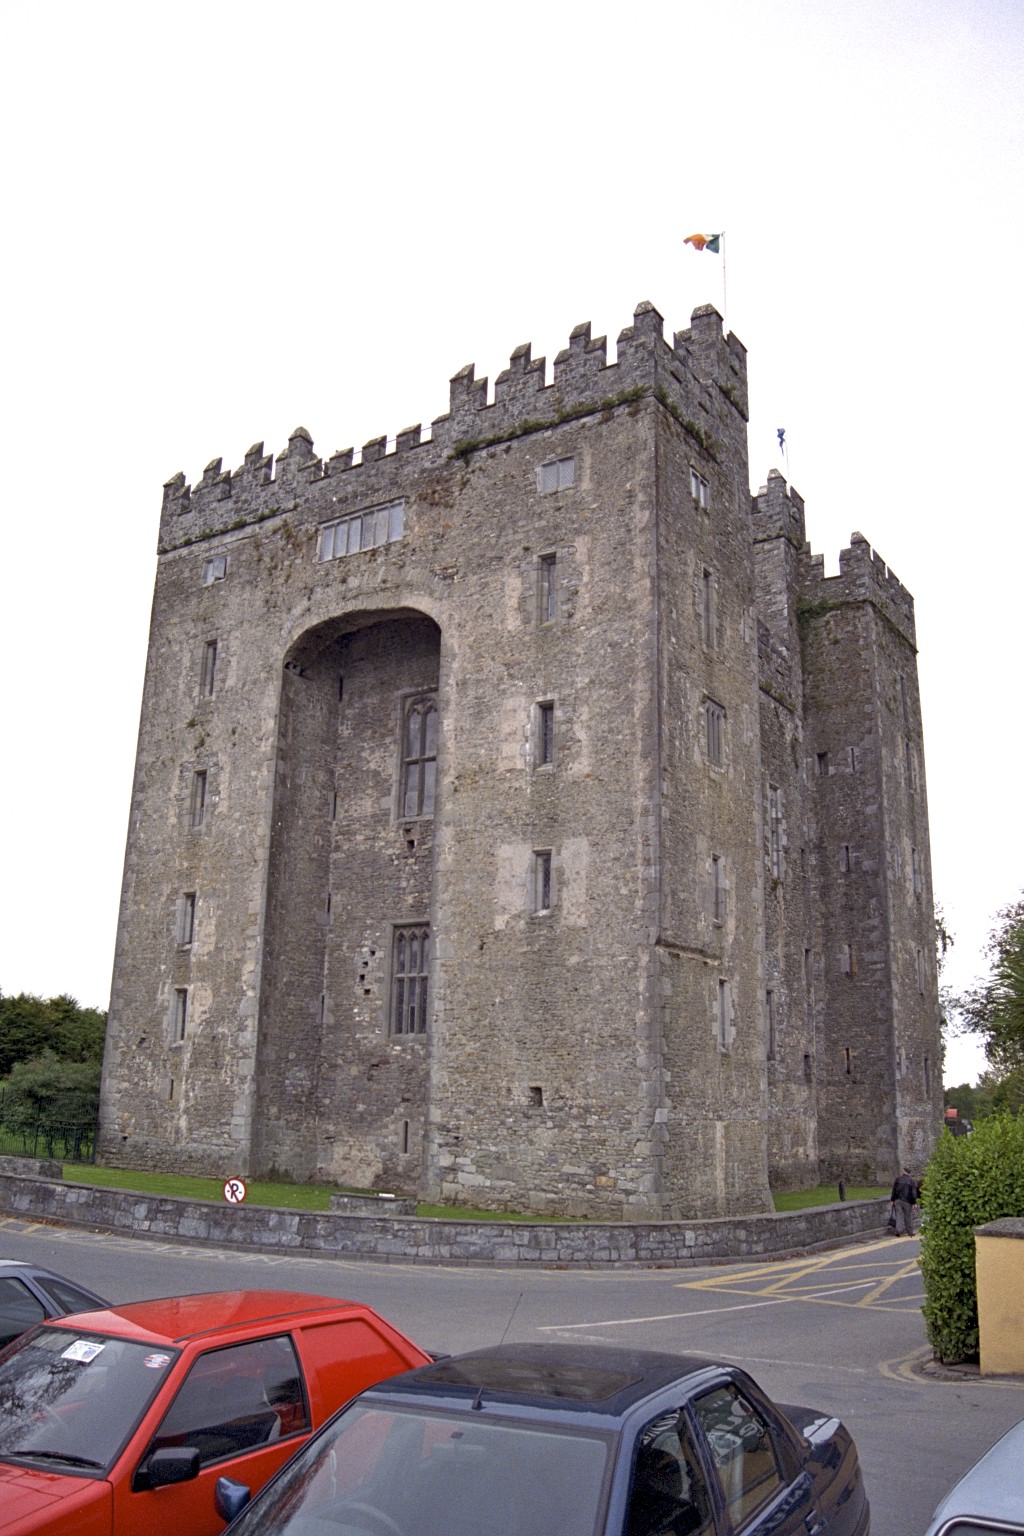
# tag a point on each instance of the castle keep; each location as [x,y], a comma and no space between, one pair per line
[523,819]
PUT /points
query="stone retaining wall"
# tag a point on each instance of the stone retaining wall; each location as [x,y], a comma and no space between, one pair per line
[440,1239]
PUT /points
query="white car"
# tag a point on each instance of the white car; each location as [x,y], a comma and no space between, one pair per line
[989,1499]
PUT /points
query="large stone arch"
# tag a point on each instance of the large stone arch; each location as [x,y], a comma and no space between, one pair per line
[341,1089]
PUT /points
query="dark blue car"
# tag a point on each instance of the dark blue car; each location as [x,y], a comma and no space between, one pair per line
[565,1440]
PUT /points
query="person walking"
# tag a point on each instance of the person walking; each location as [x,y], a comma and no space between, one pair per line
[904,1198]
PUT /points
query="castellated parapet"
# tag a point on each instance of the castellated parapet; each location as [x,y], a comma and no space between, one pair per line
[699,378]
[521,819]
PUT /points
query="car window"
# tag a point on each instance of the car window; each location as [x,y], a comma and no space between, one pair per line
[65,1296]
[19,1309]
[742,1450]
[237,1398]
[668,1493]
[68,1395]
[384,1470]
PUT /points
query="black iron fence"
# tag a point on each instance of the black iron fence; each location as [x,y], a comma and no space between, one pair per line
[47,1133]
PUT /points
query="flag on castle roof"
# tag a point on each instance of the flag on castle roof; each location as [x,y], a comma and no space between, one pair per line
[704,242]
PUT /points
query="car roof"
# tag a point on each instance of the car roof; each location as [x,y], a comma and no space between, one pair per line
[991,1489]
[595,1378]
[177,1319]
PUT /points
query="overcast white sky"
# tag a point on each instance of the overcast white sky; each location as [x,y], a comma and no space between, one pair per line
[224,220]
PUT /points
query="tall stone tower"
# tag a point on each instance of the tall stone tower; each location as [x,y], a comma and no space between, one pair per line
[522,819]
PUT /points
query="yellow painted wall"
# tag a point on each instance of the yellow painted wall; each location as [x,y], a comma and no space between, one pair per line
[999,1265]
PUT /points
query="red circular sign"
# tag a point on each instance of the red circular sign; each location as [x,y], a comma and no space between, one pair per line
[234,1191]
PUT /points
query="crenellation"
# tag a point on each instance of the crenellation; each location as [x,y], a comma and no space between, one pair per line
[409,437]
[863,577]
[778,512]
[341,461]
[375,449]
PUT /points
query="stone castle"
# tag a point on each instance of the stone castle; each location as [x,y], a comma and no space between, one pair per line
[523,819]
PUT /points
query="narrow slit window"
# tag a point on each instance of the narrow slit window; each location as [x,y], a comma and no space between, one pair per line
[187,918]
[717,888]
[699,489]
[714,732]
[723,1020]
[197,808]
[775,830]
[822,765]
[542,880]
[769,1017]
[708,606]
[547,589]
[180,1023]
[545,755]
[208,670]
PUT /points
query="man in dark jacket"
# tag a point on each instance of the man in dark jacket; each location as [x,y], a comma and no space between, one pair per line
[904,1198]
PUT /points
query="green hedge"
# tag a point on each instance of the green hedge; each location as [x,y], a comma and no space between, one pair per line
[969,1181]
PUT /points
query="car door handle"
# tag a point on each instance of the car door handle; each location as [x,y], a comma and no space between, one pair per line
[814,1524]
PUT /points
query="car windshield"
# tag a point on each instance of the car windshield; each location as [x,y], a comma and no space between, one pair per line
[74,1397]
[420,1472]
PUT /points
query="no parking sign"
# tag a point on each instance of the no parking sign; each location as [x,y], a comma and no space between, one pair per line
[234,1191]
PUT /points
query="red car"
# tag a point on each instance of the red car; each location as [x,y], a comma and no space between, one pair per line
[120,1422]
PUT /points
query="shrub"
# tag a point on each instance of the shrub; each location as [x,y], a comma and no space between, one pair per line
[969,1181]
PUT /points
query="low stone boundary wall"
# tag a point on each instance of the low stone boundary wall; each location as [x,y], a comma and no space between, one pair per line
[41,1167]
[441,1240]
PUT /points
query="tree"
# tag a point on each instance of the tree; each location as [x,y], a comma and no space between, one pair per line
[994,1008]
[31,1025]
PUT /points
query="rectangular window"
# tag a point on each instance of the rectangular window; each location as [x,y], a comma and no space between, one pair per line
[708,606]
[844,859]
[822,765]
[410,963]
[808,971]
[699,489]
[717,888]
[847,963]
[775,830]
[197,808]
[545,744]
[363,530]
[920,970]
[556,476]
[208,669]
[723,1020]
[769,1018]
[927,1078]
[714,729]
[215,569]
[187,918]
[180,1023]
[419,757]
[541,895]
[547,589]
[853,759]
[915,867]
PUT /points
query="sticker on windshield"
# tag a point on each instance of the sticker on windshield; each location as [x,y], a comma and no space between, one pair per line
[83,1350]
[157,1362]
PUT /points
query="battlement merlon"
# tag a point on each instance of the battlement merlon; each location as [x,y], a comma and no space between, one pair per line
[701,376]
[777,512]
[863,577]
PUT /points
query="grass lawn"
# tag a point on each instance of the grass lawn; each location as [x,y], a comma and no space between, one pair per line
[317,1197]
[825,1194]
[291,1197]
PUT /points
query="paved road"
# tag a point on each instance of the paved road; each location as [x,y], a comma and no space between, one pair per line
[840,1330]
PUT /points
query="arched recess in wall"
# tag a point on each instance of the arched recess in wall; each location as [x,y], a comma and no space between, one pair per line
[342,1066]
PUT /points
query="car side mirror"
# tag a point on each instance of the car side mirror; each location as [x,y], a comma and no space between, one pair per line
[229,1497]
[170,1464]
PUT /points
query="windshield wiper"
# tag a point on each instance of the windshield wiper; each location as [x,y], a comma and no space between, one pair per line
[68,1456]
